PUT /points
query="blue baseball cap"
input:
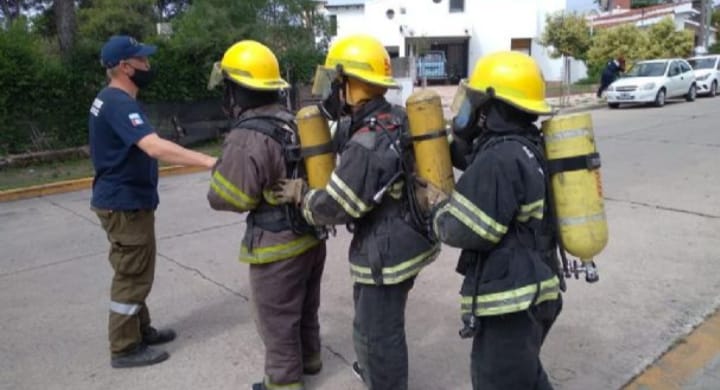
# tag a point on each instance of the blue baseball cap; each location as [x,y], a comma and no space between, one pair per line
[122,47]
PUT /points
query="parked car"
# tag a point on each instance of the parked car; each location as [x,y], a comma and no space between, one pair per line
[433,66]
[707,74]
[653,81]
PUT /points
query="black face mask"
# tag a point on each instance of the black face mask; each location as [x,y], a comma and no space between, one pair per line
[142,78]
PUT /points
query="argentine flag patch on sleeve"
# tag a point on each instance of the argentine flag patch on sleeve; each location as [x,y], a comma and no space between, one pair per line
[135,119]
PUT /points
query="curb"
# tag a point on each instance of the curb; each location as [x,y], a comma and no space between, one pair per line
[690,357]
[78,184]
[591,107]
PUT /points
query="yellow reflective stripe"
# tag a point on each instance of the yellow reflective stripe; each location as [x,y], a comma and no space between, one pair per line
[455,212]
[396,190]
[360,206]
[339,199]
[531,210]
[270,198]
[271,253]
[512,301]
[288,386]
[230,193]
[306,212]
[397,273]
[499,229]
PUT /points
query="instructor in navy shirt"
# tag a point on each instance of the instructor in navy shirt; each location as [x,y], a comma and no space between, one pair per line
[125,151]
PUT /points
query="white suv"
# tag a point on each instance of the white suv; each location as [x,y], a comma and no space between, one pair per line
[707,74]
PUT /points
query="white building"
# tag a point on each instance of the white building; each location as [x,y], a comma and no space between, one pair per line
[683,13]
[464,29]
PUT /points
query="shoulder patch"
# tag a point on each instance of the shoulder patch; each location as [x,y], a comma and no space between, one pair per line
[96,106]
[135,119]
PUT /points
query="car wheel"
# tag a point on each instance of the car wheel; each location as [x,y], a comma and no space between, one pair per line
[613,105]
[713,89]
[692,94]
[660,98]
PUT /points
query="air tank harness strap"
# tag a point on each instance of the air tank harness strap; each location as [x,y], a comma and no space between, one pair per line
[427,136]
[587,161]
[317,150]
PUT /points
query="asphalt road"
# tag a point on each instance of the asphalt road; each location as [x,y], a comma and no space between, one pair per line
[659,278]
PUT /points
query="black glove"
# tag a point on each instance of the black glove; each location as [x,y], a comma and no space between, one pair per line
[333,106]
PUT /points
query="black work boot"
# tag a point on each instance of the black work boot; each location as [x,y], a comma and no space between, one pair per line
[152,336]
[258,386]
[142,355]
[358,371]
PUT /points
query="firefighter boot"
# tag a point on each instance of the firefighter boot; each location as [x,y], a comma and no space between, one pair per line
[152,336]
[142,355]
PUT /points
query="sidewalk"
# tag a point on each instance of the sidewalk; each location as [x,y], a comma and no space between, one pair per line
[575,103]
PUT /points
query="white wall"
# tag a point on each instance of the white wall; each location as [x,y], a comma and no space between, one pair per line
[490,26]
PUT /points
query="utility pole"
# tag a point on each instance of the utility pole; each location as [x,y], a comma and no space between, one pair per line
[703,24]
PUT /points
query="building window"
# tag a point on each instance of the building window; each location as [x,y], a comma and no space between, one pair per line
[332,25]
[457,5]
[522,45]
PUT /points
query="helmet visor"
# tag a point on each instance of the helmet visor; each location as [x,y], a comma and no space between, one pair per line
[322,83]
[465,97]
[216,76]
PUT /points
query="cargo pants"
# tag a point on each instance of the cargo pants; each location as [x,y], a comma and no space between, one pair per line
[132,256]
[286,298]
[506,350]
[379,334]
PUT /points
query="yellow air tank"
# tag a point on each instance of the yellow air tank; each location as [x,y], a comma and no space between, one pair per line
[576,184]
[316,146]
[430,144]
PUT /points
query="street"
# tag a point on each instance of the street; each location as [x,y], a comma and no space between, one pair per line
[658,279]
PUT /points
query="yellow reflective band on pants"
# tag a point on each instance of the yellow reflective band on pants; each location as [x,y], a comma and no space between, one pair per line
[512,301]
[398,273]
[126,309]
[471,216]
[289,386]
[272,253]
[531,210]
[345,197]
[231,194]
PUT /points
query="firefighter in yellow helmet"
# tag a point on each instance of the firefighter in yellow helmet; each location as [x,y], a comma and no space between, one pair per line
[498,215]
[367,190]
[286,257]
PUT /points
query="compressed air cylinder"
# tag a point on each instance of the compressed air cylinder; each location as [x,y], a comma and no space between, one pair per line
[430,144]
[314,132]
[577,192]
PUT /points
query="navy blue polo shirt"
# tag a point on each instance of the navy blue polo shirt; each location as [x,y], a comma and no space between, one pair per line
[125,177]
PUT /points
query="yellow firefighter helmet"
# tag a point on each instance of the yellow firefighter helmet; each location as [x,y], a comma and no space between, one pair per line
[250,64]
[365,63]
[514,78]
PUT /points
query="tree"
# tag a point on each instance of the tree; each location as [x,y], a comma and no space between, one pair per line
[103,18]
[568,36]
[665,41]
[66,24]
[625,40]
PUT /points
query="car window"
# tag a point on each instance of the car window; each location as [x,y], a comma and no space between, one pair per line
[702,63]
[674,69]
[647,69]
[718,64]
[685,67]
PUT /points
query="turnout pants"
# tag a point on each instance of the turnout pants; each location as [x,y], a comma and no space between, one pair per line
[132,256]
[379,334]
[286,296]
[506,349]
